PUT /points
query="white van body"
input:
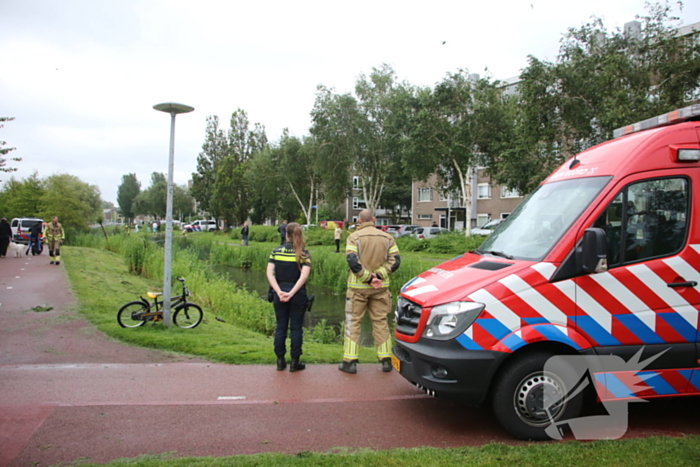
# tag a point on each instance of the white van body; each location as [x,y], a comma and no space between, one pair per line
[20,228]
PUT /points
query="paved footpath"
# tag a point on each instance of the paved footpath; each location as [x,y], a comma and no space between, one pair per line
[68,392]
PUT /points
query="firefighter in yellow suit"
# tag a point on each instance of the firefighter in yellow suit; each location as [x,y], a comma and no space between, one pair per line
[53,234]
[372,256]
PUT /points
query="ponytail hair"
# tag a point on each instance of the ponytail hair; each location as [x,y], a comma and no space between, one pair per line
[294,235]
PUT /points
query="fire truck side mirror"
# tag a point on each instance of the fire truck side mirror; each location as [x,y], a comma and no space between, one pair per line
[594,251]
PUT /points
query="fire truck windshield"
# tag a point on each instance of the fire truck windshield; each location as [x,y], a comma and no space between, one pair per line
[531,231]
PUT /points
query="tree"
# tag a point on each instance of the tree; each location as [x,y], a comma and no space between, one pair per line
[126,194]
[217,184]
[183,204]
[213,150]
[76,203]
[22,198]
[263,179]
[152,201]
[297,161]
[442,135]
[602,80]
[358,134]
[4,151]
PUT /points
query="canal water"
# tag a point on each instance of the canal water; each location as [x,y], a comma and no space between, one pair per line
[328,304]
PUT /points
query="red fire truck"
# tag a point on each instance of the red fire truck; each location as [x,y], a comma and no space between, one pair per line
[602,259]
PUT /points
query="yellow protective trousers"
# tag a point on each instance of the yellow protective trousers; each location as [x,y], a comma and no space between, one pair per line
[378,303]
[55,250]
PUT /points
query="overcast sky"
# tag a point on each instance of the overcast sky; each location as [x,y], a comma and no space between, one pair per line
[81,77]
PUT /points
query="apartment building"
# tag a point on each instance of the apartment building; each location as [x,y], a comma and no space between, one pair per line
[488,201]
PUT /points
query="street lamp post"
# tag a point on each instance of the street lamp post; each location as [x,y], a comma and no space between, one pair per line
[173,109]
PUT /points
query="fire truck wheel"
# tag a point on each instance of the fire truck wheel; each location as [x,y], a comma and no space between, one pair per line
[526,400]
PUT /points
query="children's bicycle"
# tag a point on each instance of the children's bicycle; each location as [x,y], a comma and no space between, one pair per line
[185,314]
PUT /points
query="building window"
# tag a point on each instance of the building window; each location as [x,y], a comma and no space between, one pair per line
[482,219]
[506,193]
[354,219]
[358,203]
[483,191]
[425,217]
[425,194]
[504,215]
[355,181]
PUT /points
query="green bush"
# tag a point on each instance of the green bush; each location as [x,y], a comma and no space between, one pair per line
[324,334]
[455,243]
[319,236]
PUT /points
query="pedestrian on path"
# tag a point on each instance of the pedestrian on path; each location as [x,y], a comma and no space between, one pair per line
[5,236]
[35,231]
[54,235]
[372,256]
[288,269]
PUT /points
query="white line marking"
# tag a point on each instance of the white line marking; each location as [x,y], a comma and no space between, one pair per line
[231,398]
[421,290]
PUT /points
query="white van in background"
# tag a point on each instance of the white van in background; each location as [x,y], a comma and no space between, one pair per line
[20,228]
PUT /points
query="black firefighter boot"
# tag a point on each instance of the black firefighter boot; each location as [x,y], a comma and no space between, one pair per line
[386,365]
[348,366]
[296,365]
[281,363]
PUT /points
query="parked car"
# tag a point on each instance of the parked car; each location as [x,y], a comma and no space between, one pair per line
[393,230]
[201,226]
[404,230]
[488,228]
[422,233]
[20,228]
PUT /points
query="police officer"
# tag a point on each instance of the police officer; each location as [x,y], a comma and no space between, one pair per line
[53,233]
[372,256]
[287,272]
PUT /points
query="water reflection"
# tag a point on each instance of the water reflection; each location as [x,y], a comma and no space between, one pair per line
[328,305]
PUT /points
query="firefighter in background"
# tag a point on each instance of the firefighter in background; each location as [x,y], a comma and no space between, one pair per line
[53,233]
[372,256]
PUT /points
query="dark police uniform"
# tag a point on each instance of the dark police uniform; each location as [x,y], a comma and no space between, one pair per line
[289,314]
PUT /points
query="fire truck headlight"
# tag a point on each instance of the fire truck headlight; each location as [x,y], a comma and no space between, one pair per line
[451,319]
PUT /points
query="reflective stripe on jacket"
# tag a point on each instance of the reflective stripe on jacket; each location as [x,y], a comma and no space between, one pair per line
[370,251]
[53,232]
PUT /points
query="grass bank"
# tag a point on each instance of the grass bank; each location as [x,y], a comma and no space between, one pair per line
[102,283]
[640,452]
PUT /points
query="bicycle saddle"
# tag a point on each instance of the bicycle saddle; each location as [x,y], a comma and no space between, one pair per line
[153,294]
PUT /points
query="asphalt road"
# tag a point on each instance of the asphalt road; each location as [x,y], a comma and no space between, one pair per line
[68,392]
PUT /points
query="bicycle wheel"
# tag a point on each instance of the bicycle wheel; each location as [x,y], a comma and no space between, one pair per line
[188,315]
[127,317]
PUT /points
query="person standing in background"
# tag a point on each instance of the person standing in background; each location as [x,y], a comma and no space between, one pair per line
[337,235]
[282,229]
[244,233]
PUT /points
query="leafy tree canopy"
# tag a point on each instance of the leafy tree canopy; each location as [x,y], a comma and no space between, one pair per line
[5,150]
